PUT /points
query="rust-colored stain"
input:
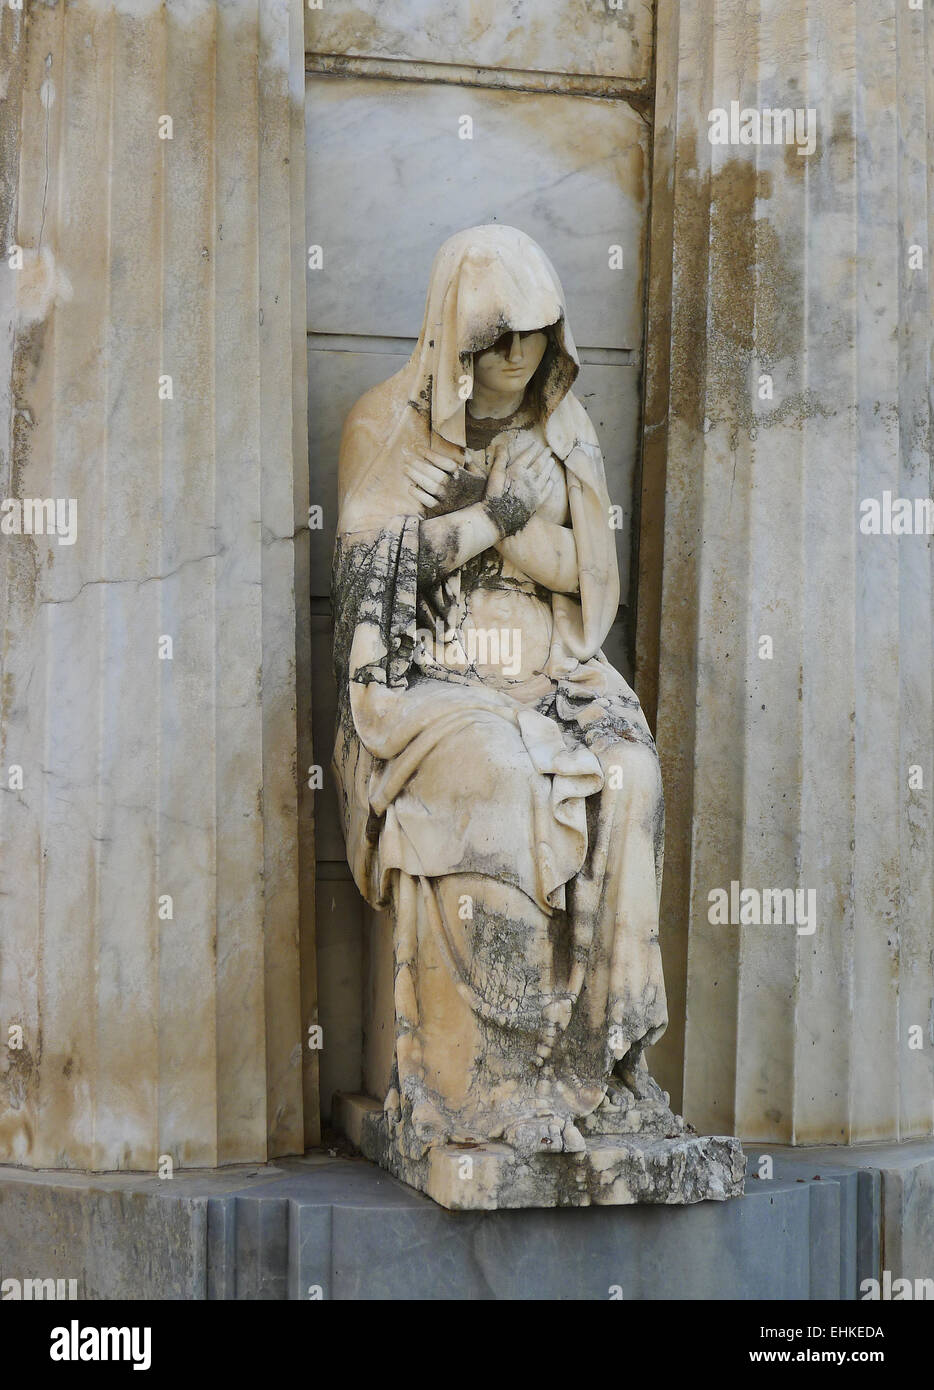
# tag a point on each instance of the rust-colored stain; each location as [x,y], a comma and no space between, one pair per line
[739,293]
[19,1089]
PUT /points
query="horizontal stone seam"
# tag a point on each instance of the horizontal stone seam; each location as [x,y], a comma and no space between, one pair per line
[639,94]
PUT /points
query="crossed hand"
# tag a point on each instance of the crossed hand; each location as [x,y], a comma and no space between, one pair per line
[522,472]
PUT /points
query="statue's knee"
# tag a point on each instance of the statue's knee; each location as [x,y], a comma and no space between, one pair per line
[493,756]
[634,769]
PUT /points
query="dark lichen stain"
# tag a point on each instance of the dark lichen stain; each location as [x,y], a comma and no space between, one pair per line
[740,296]
[20,1079]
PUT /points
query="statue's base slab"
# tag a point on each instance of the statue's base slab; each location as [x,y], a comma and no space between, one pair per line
[611,1171]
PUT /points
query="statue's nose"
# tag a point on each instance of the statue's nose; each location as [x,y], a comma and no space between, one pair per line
[515,349]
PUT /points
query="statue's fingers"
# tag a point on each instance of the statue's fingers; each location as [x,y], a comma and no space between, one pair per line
[530,452]
[499,465]
[532,457]
[498,454]
[441,461]
[542,466]
[432,481]
[423,497]
[441,476]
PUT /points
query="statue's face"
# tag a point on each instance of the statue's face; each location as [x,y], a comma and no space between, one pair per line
[509,365]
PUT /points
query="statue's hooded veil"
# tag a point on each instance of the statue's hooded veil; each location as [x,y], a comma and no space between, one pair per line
[486,281]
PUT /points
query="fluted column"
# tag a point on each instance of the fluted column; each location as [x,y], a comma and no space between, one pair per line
[154,689]
[804,761]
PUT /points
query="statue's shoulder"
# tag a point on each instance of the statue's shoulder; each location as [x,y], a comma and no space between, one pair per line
[365,485]
[375,411]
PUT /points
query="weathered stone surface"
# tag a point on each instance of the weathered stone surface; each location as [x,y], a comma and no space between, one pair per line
[609,1171]
[788,381]
[118,1236]
[896,1185]
[558,38]
[323,1227]
[152,368]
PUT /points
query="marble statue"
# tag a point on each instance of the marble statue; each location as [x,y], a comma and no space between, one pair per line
[500,788]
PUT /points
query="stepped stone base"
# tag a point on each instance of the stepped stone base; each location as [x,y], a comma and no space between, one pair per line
[611,1171]
[324,1226]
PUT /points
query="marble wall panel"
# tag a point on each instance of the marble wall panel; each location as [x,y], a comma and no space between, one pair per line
[389,179]
[562,37]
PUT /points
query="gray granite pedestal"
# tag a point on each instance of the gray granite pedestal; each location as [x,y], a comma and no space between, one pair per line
[340,1228]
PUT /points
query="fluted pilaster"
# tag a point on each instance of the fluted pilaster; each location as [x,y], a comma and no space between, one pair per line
[154,691]
[796,274]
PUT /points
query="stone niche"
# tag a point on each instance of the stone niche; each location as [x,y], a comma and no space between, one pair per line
[559,128]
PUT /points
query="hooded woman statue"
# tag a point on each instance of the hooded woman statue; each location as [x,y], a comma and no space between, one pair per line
[499,785]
